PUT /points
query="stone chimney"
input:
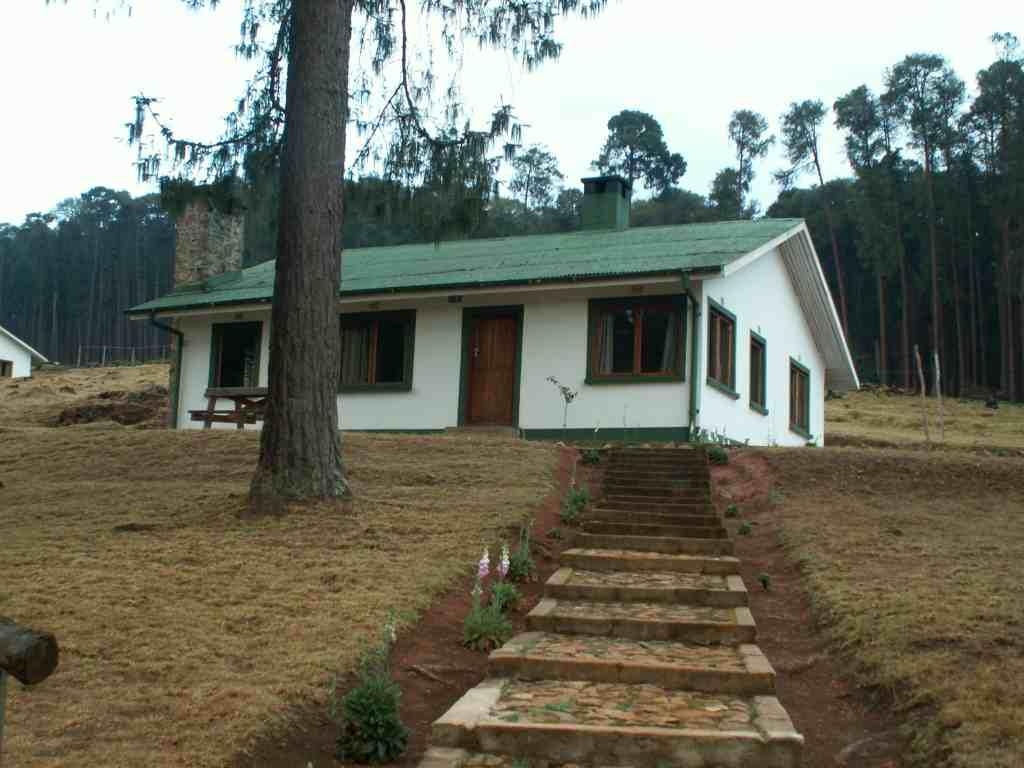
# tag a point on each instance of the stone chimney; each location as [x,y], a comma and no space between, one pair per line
[208,242]
[606,202]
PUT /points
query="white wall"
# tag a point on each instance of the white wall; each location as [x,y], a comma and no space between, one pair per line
[763,299]
[554,344]
[17,354]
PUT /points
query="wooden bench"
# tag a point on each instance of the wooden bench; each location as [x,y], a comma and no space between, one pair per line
[250,404]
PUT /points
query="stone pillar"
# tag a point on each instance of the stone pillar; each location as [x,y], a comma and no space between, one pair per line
[208,242]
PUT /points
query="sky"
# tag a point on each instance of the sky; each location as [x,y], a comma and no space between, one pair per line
[68,74]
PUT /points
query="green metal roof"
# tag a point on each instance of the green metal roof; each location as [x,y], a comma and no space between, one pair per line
[504,261]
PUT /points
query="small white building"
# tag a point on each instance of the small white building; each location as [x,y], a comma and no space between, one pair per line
[16,356]
[725,328]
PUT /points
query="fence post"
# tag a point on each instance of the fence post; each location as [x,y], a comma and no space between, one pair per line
[103,356]
[79,355]
[3,701]
[133,355]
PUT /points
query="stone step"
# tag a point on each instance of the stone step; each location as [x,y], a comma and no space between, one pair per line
[631,560]
[632,528]
[655,465]
[641,492]
[615,724]
[641,500]
[646,587]
[740,670]
[655,505]
[653,518]
[667,545]
[644,621]
[693,476]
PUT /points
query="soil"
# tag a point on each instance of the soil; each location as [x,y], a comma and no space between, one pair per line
[145,407]
[842,724]
[428,661]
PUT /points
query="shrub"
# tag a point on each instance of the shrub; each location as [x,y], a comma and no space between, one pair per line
[744,529]
[576,501]
[485,628]
[370,730]
[504,596]
[591,456]
[766,581]
[717,454]
[732,511]
[521,566]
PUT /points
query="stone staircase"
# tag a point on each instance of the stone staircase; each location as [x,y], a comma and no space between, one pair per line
[641,652]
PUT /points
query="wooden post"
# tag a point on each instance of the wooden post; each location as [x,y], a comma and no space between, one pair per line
[79,355]
[938,394]
[3,702]
[103,356]
[924,400]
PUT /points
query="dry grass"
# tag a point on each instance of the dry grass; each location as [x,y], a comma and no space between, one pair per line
[880,419]
[183,642]
[914,561]
[39,399]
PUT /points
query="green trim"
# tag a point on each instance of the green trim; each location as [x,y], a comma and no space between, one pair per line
[469,314]
[405,385]
[796,428]
[761,407]
[694,357]
[216,333]
[677,299]
[728,387]
[725,390]
[617,434]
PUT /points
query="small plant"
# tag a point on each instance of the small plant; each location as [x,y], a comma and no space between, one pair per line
[521,567]
[591,456]
[504,596]
[732,511]
[717,454]
[370,730]
[744,529]
[765,580]
[576,501]
[775,497]
[568,395]
[555,533]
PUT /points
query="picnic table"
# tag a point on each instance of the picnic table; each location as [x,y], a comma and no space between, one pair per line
[250,404]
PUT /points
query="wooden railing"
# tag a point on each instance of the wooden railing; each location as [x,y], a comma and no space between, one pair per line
[26,655]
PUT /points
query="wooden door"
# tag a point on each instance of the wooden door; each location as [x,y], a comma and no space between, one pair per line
[492,370]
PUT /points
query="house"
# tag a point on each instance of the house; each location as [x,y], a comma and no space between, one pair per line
[727,328]
[16,356]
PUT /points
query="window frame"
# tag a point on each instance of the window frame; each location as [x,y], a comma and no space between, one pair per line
[762,406]
[725,387]
[599,307]
[800,429]
[216,341]
[408,317]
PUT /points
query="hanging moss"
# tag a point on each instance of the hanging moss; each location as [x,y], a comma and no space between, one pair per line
[226,195]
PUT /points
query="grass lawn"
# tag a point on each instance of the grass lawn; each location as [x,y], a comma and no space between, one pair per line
[190,633]
[914,561]
[882,419]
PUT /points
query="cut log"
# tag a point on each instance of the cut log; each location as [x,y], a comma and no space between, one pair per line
[26,654]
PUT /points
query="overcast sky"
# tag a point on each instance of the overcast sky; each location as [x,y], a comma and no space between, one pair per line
[67,78]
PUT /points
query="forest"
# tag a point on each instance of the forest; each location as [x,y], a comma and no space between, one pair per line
[923,246]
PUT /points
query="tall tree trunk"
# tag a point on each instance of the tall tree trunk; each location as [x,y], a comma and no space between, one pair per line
[1006,314]
[961,357]
[882,343]
[840,283]
[901,253]
[300,446]
[933,253]
[972,275]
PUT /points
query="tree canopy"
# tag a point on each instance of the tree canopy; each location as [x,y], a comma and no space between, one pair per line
[636,149]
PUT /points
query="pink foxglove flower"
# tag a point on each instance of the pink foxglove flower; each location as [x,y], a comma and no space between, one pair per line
[484,566]
[505,562]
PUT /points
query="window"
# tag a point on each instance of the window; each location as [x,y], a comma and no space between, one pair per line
[6,369]
[758,374]
[799,399]
[722,349]
[376,350]
[636,339]
[235,354]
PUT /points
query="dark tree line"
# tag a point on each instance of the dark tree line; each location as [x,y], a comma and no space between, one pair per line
[67,276]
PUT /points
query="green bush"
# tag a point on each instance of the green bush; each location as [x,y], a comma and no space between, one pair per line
[717,454]
[521,566]
[370,730]
[485,628]
[591,456]
[732,511]
[766,581]
[744,529]
[504,596]
[576,501]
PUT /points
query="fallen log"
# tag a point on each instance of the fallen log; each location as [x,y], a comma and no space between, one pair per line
[26,654]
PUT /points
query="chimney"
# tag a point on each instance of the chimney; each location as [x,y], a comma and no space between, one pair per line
[208,241]
[606,202]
